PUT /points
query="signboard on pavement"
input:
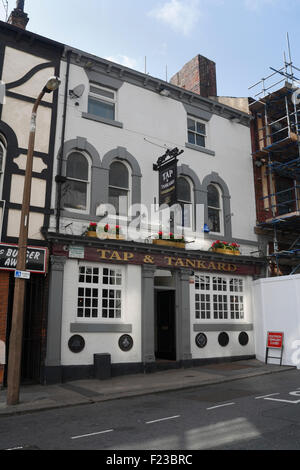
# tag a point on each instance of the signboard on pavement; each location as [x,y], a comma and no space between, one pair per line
[274,341]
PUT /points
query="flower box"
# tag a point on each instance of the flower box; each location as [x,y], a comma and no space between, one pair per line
[91,233]
[171,243]
[225,248]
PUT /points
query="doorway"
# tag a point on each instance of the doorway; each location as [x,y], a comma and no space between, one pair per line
[165,314]
[33,328]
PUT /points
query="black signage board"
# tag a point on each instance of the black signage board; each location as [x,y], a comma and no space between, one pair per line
[36,258]
[168,183]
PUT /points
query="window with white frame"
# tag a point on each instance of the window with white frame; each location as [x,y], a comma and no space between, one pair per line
[2,163]
[196,132]
[119,190]
[100,293]
[185,200]
[214,206]
[76,190]
[102,102]
[219,297]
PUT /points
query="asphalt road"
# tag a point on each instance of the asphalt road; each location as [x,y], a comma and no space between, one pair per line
[251,414]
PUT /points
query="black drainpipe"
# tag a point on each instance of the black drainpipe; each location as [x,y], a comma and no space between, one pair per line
[59,179]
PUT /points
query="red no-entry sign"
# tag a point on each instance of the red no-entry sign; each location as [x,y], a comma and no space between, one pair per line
[275,340]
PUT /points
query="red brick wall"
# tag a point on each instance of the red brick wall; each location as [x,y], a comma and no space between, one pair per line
[4,290]
[198,76]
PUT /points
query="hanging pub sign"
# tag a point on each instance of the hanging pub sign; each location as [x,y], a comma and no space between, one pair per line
[35,262]
[167,168]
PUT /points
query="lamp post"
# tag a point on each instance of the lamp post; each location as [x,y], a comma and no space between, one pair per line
[16,335]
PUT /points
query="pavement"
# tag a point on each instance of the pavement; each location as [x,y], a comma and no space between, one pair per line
[35,398]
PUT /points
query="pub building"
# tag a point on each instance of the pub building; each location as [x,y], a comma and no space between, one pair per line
[119,305]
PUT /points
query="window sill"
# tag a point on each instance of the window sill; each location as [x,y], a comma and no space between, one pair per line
[109,122]
[232,325]
[200,149]
[100,328]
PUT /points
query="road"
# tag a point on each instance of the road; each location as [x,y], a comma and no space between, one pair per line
[255,413]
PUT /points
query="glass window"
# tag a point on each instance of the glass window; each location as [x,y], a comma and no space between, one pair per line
[196,132]
[102,102]
[214,208]
[100,293]
[119,187]
[214,298]
[185,200]
[75,190]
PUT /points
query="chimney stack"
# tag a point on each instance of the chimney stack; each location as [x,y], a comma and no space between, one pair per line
[18,17]
[198,76]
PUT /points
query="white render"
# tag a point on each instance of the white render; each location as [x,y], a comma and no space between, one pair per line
[103,342]
[277,309]
[162,120]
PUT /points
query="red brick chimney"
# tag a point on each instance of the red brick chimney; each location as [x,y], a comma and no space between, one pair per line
[18,17]
[198,76]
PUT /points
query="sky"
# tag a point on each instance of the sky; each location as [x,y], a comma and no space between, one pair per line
[244,37]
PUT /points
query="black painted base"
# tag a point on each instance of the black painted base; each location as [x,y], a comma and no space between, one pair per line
[63,374]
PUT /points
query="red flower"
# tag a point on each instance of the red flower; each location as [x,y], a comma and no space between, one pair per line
[106,228]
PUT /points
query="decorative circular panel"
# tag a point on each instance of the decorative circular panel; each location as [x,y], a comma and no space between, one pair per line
[223,339]
[125,343]
[76,344]
[243,339]
[201,340]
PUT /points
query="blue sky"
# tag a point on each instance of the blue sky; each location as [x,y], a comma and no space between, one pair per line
[243,37]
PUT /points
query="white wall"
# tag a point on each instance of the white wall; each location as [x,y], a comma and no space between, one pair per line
[276,303]
[163,121]
[102,342]
[213,348]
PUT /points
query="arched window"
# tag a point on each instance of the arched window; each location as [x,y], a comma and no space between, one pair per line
[2,162]
[214,208]
[119,190]
[77,188]
[185,199]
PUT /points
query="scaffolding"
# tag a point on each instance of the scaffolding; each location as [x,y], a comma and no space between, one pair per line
[276,111]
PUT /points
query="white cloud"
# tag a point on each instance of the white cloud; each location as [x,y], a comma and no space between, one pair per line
[181,15]
[124,60]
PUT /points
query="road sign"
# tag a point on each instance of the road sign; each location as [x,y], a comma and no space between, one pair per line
[22,275]
[274,341]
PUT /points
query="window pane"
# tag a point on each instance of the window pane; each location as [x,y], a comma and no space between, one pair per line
[183,190]
[100,91]
[75,195]
[191,125]
[213,197]
[77,166]
[191,138]
[214,220]
[101,108]
[113,199]
[118,175]
[201,128]
[200,140]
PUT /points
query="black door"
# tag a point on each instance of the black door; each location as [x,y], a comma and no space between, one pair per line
[165,325]
[34,321]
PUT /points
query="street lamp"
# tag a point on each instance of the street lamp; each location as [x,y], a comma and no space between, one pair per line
[16,335]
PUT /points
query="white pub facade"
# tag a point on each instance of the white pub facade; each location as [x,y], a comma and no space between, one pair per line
[138,305]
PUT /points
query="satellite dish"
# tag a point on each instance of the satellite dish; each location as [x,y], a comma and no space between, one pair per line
[77,92]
